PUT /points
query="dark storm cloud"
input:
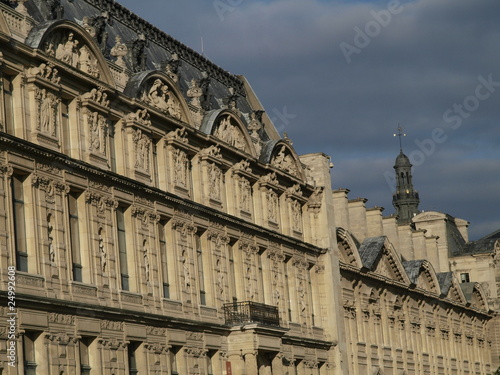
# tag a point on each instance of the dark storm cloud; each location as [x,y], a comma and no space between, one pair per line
[430,56]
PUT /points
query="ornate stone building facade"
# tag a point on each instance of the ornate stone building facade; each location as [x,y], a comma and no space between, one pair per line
[157,222]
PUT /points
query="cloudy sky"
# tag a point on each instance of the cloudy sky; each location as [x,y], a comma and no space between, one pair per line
[339,76]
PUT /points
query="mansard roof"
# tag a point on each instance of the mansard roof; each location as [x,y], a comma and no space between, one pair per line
[158,51]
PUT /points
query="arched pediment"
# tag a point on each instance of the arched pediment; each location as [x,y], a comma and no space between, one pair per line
[379,256]
[72,45]
[427,278]
[347,248]
[157,90]
[229,128]
[422,275]
[475,295]
[282,156]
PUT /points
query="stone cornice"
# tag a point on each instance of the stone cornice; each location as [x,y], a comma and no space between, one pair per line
[125,183]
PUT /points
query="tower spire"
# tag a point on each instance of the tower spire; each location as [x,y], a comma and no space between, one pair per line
[406,198]
[400,134]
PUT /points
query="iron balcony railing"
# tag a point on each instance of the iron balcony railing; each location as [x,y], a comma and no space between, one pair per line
[236,313]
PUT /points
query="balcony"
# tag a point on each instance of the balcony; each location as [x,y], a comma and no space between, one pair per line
[237,313]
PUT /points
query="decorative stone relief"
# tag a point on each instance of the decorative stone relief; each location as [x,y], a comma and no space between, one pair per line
[142,145]
[49,186]
[103,254]
[178,134]
[98,132]
[284,161]
[212,151]
[141,116]
[98,95]
[50,237]
[100,202]
[47,71]
[61,318]
[160,97]
[47,108]
[231,134]
[147,265]
[184,228]
[69,52]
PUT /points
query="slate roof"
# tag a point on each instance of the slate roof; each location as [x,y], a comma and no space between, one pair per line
[484,245]
[370,250]
[412,268]
[445,280]
[467,289]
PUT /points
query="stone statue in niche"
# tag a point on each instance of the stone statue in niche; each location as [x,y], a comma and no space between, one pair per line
[98,129]
[230,134]
[296,216]
[142,149]
[181,168]
[119,51]
[245,194]
[215,180]
[272,205]
[284,161]
[159,96]
[47,112]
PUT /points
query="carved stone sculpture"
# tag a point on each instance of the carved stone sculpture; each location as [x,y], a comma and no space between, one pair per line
[120,50]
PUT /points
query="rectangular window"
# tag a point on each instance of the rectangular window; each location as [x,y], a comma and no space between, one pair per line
[19,223]
[172,356]
[163,255]
[74,232]
[199,260]
[112,149]
[260,280]
[464,277]
[65,126]
[8,91]
[232,274]
[132,357]
[122,247]
[29,357]
[84,344]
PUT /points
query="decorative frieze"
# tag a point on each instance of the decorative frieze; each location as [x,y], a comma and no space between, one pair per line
[61,318]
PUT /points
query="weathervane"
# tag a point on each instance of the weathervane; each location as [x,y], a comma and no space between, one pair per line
[400,134]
